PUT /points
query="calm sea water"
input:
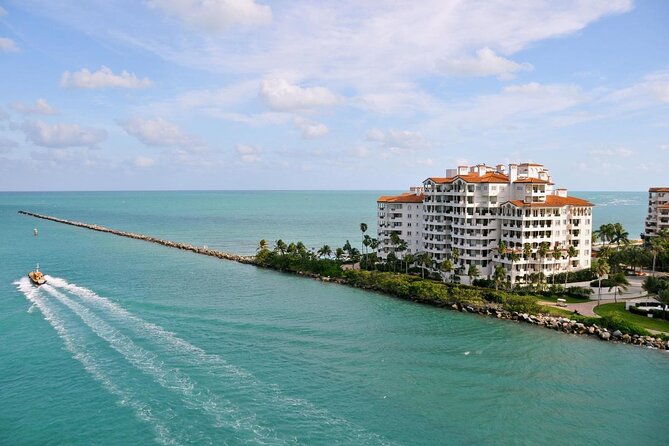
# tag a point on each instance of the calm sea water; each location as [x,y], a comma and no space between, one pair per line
[134,343]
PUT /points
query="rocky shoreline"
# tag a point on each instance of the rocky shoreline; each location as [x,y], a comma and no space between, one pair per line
[561,324]
[557,323]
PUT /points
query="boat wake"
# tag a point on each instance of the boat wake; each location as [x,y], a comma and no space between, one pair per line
[149,348]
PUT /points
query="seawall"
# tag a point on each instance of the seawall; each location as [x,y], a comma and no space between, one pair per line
[146,238]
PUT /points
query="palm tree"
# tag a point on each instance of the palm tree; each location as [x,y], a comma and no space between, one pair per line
[601,268]
[514,257]
[527,250]
[657,245]
[618,283]
[605,233]
[557,255]
[501,249]
[391,259]
[262,245]
[401,247]
[619,235]
[455,255]
[408,259]
[472,273]
[544,247]
[301,249]
[374,244]
[280,246]
[571,252]
[363,229]
[447,267]
[339,253]
[366,242]
[499,276]
[425,261]
[325,251]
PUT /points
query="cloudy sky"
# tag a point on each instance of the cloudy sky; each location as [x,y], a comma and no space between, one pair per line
[259,94]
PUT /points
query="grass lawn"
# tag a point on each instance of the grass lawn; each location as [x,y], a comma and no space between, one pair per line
[645,322]
[555,311]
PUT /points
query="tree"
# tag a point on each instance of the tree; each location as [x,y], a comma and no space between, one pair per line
[325,251]
[339,253]
[501,248]
[571,252]
[601,268]
[455,255]
[618,283]
[391,259]
[363,229]
[366,242]
[262,245]
[557,255]
[447,267]
[374,244]
[527,250]
[425,261]
[514,257]
[499,275]
[472,273]
[280,246]
[619,235]
[544,247]
[408,259]
[657,247]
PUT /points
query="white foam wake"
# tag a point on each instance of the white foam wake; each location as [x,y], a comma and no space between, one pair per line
[219,366]
[142,410]
[224,413]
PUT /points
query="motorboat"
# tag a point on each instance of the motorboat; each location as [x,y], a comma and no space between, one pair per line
[37,277]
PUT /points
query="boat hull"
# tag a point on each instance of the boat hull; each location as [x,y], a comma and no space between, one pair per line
[36,280]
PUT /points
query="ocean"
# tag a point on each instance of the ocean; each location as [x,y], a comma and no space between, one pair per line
[135,343]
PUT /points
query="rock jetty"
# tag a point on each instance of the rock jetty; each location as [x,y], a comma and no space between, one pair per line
[184,246]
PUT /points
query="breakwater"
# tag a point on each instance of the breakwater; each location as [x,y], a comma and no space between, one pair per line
[178,245]
[489,309]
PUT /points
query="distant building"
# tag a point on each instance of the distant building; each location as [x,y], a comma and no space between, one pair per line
[473,212]
[658,210]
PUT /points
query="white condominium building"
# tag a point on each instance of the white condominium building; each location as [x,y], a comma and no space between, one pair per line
[403,215]
[488,216]
[658,210]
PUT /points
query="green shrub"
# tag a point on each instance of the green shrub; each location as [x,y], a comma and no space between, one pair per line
[614,322]
[521,304]
[579,292]
[606,283]
[581,275]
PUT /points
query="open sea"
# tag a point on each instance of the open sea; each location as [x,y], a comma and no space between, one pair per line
[132,343]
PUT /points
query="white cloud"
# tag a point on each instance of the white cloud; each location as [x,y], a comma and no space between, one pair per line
[215,16]
[159,133]
[653,89]
[62,135]
[664,147]
[7,144]
[103,78]
[41,107]
[279,94]
[618,152]
[486,63]
[310,129]
[249,154]
[395,140]
[7,45]
[143,161]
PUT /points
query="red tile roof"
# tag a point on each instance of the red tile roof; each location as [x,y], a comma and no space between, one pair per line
[553,201]
[441,180]
[406,197]
[658,189]
[492,177]
[532,180]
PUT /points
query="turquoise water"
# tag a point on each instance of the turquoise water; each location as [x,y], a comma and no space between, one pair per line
[135,343]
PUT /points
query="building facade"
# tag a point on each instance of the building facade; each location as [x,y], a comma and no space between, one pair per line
[489,216]
[658,210]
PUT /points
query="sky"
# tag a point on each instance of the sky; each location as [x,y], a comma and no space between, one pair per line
[259,94]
